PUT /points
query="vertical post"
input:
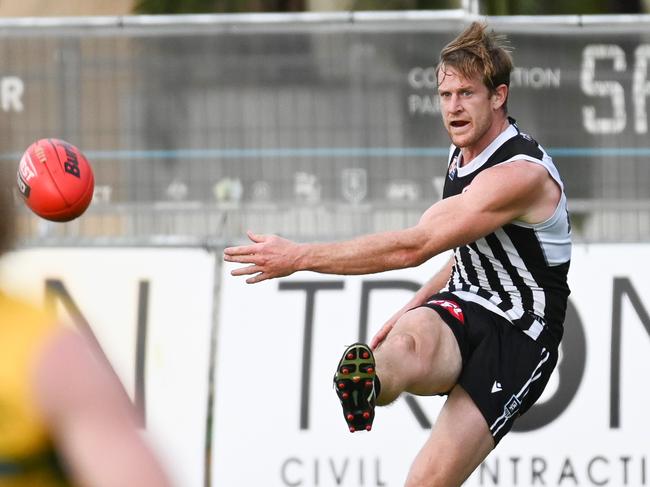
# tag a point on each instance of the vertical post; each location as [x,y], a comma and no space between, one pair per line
[141,351]
[471,7]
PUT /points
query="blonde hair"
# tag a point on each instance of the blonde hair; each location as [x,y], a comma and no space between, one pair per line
[476,52]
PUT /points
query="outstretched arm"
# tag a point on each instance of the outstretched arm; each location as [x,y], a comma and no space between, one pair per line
[90,417]
[496,196]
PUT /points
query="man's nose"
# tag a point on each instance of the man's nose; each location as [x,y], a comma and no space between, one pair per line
[455,104]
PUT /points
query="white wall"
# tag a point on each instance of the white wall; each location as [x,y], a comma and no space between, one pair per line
[258,408]
[260,402]
[105,286]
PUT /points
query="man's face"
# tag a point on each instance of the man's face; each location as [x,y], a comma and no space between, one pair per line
[466,106]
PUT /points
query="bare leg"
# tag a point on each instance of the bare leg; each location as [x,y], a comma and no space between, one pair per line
[420,356]
[459,441]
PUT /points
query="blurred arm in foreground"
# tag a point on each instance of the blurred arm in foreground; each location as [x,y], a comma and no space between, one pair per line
[66,420]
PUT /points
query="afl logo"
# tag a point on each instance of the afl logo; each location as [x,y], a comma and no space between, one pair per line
[26,171]
[451,307]
[26,168]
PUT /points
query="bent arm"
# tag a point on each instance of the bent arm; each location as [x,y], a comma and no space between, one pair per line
[92,421]
[434,285]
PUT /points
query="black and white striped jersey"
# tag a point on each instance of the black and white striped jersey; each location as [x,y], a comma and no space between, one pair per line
[520,270]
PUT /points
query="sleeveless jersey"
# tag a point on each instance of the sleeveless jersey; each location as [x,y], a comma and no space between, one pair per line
[27,457]
[520,270]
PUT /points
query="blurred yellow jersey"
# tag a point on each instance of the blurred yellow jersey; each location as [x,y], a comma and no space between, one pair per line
[27,458]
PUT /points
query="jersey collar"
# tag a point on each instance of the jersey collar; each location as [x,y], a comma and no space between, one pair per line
[482,158]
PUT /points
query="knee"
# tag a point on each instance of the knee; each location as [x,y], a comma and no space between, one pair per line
[403,342]
[406,331]
[417,332]
[408,344]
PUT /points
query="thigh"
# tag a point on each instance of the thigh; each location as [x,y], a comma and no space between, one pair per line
[459,441]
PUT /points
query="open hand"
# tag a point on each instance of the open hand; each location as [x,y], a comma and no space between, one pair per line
[269,256]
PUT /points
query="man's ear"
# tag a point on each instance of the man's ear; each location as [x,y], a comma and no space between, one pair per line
[499,96]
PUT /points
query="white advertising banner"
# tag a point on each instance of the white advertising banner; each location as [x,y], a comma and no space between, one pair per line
[151,312]
[278,422]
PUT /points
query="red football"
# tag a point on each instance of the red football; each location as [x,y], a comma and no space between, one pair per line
[55,180]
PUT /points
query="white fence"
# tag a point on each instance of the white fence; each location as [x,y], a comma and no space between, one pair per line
[312,125]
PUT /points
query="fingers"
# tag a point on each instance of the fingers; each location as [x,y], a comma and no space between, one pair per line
[245,249]
[245,271]
[242,259]
[381,335]
[251,269]
[247,254]
[254,236]
[258,278]
[239,250]
[376,340]
[266,262]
